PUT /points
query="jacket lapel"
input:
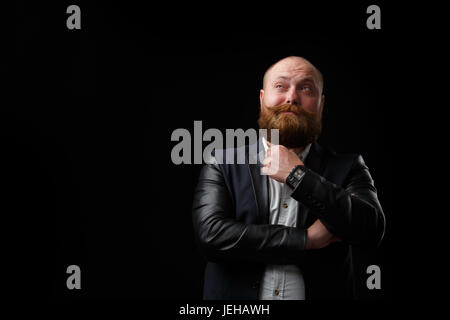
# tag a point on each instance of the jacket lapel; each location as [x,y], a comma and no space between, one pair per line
[260,183]
[315,162]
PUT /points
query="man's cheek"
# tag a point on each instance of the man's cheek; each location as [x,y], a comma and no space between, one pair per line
[274,100]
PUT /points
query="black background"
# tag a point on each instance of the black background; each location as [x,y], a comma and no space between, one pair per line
[87,121]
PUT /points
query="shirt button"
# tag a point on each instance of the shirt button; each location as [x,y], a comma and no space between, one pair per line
[276,292]
[285,205]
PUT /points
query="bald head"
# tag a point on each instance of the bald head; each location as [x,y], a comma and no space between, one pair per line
[294,63]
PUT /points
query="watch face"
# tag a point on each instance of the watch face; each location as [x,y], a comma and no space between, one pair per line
[291,180]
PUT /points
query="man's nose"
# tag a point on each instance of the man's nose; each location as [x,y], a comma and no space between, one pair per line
[292,97]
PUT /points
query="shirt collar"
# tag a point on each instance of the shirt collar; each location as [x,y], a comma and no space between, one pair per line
[301,155]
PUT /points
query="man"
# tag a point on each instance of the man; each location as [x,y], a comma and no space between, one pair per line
[284,228]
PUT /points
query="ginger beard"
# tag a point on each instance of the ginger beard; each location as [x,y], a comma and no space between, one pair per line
[295,130]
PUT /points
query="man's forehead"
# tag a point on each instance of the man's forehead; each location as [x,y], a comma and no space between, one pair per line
[296,68]
[289,69]
[293,74]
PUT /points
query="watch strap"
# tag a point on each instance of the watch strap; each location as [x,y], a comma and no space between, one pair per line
[295,176]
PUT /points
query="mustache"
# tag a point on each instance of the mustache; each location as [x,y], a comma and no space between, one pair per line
[297,110]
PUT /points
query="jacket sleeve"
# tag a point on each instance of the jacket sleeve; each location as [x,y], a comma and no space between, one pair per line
[351,212]
[222,238]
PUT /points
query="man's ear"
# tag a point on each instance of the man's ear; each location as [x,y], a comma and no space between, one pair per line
[261,95]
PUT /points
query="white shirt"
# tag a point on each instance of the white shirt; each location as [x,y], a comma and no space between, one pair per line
[282,282]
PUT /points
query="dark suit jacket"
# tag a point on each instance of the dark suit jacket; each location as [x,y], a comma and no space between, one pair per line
[231,224]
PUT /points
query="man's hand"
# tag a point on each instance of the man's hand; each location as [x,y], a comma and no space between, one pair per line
[279,162]
[318,236]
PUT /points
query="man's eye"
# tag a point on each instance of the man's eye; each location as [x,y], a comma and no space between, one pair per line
[278,86]
[306,89]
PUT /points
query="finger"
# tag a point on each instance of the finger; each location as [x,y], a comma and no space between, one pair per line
[268,171]
[264,170]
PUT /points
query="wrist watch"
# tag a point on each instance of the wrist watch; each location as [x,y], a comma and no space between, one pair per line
[295,176]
